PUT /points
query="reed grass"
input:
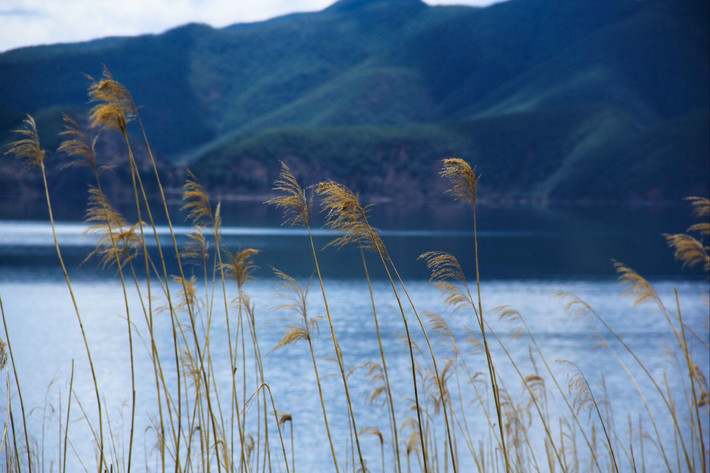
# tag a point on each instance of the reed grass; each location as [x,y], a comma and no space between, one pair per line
[455,409]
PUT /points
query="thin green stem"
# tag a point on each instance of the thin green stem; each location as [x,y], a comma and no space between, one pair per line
[336,345]
[489,359]
[78,316]
[384,360]
[17,385]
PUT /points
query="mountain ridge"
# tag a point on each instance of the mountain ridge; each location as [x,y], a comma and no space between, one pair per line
[399,65]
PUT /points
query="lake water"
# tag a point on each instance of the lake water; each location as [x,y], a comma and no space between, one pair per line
[526,255]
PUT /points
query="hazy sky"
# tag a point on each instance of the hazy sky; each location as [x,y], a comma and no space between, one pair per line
[30,22]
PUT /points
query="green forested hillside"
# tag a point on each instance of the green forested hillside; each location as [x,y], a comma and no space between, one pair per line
[540,95]
[598,155]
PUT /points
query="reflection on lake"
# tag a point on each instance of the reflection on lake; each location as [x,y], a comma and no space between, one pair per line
[514,242]
[526,255]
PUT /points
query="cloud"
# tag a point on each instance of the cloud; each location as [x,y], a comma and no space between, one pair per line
[19,12]
[31,22]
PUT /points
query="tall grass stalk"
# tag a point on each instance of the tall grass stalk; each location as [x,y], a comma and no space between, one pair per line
[529,382]
[579,308]
[345,214]
[294,298]
[298,211]
[115,108]
[65,438]
[692,376]
[385,371]
[106,220]
[197,203]
[30,150]
[3,438]
[195,431]
[19,393]
[464,186]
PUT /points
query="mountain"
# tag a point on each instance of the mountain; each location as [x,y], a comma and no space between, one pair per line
[543,96]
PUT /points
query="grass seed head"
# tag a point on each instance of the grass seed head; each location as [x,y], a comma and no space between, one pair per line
[28,148]
[3,354]
[187,295]
[443,266]
[701,206]
[463,179]
[197,250]
[240,266]
[114,104]
[637,286]
[77,144]
[373,431]
[345,214]
[196,201]
[689,250]
[292,201]
[118,241]
[579,388]
[285,417]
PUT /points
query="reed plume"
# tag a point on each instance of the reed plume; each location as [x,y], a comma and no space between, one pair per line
[345,214]
[701,208]
[283,418]
[376,432]
[292,201]
[239,266]
[19,393]
[187,295]
[200,214]
[114,107]
[688,249]
[464,184]
[297,211]
[638,287]
[118,241]
[584,399]
[464,180]
[295,297]
[196,202]
[197,250]
[29,149]
[77,145]
[447,276]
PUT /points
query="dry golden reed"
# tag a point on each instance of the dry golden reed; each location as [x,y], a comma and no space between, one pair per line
[345,214]
[3,354]
[292,201]
[114,107]
[239,266]
[195,428]
[77,145]
[688,249]
[196,202]
[463,179]
[637,286]
[28,149]
[118,241]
